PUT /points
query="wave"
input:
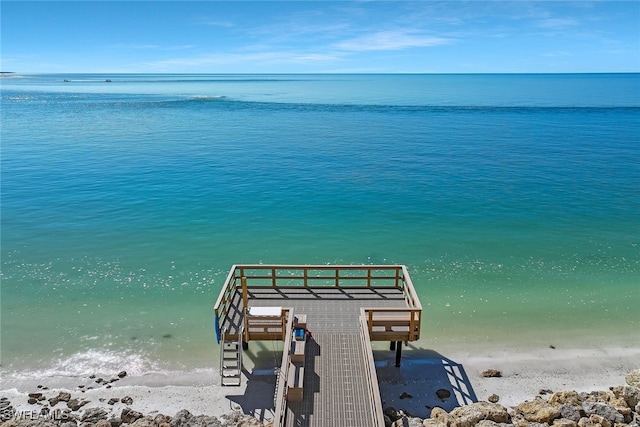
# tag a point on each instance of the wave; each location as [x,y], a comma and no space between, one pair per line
[89,362]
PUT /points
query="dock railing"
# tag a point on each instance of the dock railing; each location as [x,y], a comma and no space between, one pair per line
[344,276]
[372,377]
[280,399]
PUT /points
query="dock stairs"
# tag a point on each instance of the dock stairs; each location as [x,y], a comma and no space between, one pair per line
[230,362]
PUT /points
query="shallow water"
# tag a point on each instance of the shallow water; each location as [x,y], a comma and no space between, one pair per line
[513,200]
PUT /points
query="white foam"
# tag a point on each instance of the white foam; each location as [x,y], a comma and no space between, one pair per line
[93,361]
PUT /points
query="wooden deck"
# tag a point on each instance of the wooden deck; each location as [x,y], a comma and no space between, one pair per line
[340,383]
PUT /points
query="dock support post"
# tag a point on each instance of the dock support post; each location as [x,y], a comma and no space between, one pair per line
[392,345]
[398,353]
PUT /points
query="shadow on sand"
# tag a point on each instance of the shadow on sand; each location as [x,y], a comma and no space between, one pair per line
[421,375]
[424,375]
[259,381]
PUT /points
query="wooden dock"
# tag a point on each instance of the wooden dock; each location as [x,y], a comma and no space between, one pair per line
[329,380]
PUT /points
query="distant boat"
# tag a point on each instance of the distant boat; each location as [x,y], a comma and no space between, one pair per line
[108,80]
[66,81]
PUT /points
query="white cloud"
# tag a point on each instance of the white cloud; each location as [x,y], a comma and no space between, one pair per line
[556,23]
[390,40]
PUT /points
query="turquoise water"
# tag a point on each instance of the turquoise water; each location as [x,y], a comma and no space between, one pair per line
[513,200]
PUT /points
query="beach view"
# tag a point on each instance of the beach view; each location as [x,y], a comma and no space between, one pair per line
[138,168]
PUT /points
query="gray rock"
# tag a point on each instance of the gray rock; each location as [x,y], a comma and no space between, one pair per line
[93,415]
[391,413]
[127,400]
[129,416]
[570,412]
[607,412]
[181,418]
[115,422]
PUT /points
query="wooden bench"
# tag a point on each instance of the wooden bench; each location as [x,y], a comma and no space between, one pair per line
[297,351]
[295,382]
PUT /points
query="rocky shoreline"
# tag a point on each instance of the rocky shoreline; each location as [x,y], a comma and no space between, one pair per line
[617,407]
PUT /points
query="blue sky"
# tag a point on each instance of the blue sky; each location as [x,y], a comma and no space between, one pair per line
[327,36]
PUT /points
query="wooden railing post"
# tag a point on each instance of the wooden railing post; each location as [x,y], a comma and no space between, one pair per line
[273,277]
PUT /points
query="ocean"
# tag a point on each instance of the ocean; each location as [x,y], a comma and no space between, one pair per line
[514,201]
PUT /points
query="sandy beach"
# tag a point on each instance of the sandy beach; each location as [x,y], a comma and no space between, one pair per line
[411,388]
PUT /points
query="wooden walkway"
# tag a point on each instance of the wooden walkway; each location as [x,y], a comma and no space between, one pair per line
[339,388]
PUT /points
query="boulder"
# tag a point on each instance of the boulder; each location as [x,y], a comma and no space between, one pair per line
[440,415]
[564,422]
[430,422]
[129,416]
[127,400]
[467,416]
[570,412]
[565,398]
[76,404]
[93,415]
[494,398]
[633,378]
[391,413]
[597,419]
[143,422]
[604,410]
[538,411]
[631,395]
[103,423]
[181,418]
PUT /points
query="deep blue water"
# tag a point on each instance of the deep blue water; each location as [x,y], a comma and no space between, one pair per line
[513,199]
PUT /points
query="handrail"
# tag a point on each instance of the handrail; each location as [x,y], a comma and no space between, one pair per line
[280,400]
[372,377]
[291,276]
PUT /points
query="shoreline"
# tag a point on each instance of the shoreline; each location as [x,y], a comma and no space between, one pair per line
[524,375]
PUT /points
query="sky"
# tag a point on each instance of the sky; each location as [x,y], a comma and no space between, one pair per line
[320,36]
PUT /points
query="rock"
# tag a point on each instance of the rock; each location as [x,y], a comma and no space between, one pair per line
[113,401]
[75,404]
[430,422]
[564,422]
[143,422]
[443,394]
[406,395]
[631,395]
[391,413]
[129,416]
[491,373]
[604,410]
[538,411]
[32,401]
[181,418]
[440,415]
[597,419]
[467,416]
[127,400]
[115,422]
[69,424]
[103,423]
[544,391]
[36,396]
[565,398]
[570,412]
[122,374]
[387,421]
[489,423]
[633,378]
[493,398]
[93,415]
